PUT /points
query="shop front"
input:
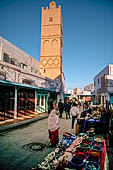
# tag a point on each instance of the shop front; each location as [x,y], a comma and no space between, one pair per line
[25,102]
[6,102]
[45,99]
[42,104]
[17,100]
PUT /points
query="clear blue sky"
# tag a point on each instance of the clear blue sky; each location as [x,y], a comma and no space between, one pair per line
[87,34]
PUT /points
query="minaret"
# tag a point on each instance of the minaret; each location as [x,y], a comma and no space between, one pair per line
[51,41]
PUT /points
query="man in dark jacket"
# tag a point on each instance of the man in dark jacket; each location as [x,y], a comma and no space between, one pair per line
[105,118]
[60,107]
[67,108]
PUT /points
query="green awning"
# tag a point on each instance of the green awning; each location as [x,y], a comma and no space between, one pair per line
[111,99]
[66,95]
[9,83]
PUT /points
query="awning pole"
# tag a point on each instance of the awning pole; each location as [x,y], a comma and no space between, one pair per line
[15,104]
[35,101]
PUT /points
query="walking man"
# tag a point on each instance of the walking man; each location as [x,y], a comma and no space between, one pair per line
[67,108]
[74,112]
[60,107]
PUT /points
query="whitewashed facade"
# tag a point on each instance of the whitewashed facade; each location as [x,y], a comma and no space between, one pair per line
[103,85]
[20,67]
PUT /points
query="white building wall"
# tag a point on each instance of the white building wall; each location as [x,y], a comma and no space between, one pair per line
[18,54]
[14,73]
[97,78]
[70,92]
[107,85]
[110,83]
[111,69]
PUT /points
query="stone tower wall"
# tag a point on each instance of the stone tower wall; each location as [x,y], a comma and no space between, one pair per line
[51,41]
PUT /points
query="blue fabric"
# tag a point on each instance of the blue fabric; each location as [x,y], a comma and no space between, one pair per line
[86,122]
[91,120]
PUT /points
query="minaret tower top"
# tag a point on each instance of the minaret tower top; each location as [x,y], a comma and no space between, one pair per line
[51,41]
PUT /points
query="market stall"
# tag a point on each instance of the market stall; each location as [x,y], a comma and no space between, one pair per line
[96,118]
[86,151]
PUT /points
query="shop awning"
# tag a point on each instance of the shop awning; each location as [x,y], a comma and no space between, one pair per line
[111,99]
[9,83]
[66,95]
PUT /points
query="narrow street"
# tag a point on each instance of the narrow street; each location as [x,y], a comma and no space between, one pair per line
[18,148]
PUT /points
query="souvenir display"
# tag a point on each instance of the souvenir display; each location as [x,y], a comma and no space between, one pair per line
[84,152]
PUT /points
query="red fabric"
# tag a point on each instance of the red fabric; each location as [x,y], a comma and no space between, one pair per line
[103,155]
[53,136]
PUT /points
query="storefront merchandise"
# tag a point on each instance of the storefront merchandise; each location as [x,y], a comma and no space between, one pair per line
[86,151]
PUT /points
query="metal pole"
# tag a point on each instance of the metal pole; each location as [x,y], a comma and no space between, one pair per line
[15,104]
[35,101]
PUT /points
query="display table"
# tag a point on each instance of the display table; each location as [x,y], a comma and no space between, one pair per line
[68,149]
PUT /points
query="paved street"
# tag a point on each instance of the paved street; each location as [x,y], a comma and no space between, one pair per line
[17,147]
